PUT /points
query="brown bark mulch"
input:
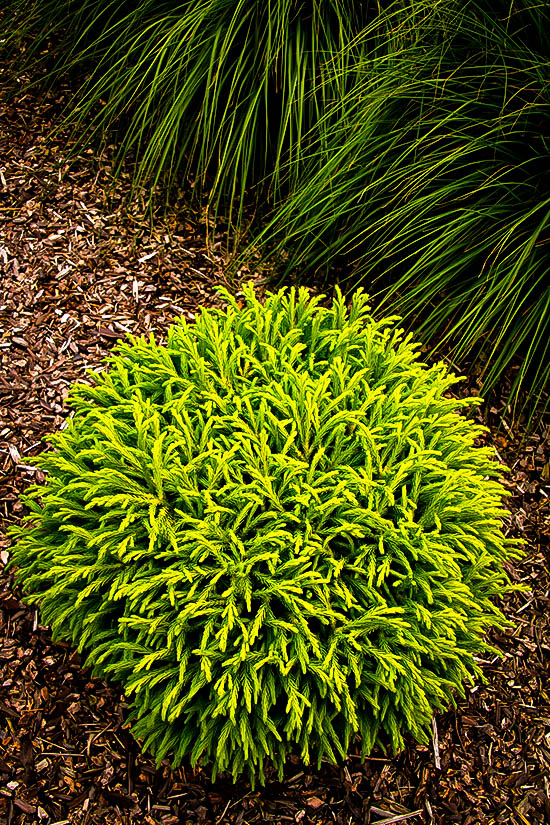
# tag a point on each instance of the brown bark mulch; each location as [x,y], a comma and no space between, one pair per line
[75,276]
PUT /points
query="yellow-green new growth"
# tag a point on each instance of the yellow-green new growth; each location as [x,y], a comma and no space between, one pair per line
[275,531]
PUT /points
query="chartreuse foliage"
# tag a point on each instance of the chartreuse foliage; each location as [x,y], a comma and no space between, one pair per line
[275,531]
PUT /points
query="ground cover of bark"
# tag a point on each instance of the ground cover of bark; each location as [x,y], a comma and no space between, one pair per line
[76,273]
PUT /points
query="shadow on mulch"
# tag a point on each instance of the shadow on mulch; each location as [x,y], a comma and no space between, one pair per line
[75,277]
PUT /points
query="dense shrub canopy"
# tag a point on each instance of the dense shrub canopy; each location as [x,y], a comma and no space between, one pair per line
[275,531]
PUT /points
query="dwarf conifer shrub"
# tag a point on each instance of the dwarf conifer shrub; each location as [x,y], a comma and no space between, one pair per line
[275,531]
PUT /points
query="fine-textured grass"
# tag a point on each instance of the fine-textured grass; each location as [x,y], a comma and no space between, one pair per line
[221,90]
[433,183]
[275,531]
[408,140]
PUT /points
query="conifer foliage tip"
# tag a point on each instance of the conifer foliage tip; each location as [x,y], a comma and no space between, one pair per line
[274,530]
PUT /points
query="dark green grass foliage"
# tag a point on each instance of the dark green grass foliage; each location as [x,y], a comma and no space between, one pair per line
[429,180]
[404,139]
[215,88]
[275,531]
[223,91]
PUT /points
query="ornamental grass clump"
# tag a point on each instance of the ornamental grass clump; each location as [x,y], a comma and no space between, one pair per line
[275,531]
[426,182]
[222,92]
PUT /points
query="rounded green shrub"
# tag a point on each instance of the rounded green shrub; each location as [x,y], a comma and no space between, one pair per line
[275,530]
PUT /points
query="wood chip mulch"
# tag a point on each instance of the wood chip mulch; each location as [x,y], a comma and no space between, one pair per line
[75,276]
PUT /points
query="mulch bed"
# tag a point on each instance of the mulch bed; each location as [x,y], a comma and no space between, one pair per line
[76,275]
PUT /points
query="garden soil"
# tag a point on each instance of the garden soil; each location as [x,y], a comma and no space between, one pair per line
[77,272]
